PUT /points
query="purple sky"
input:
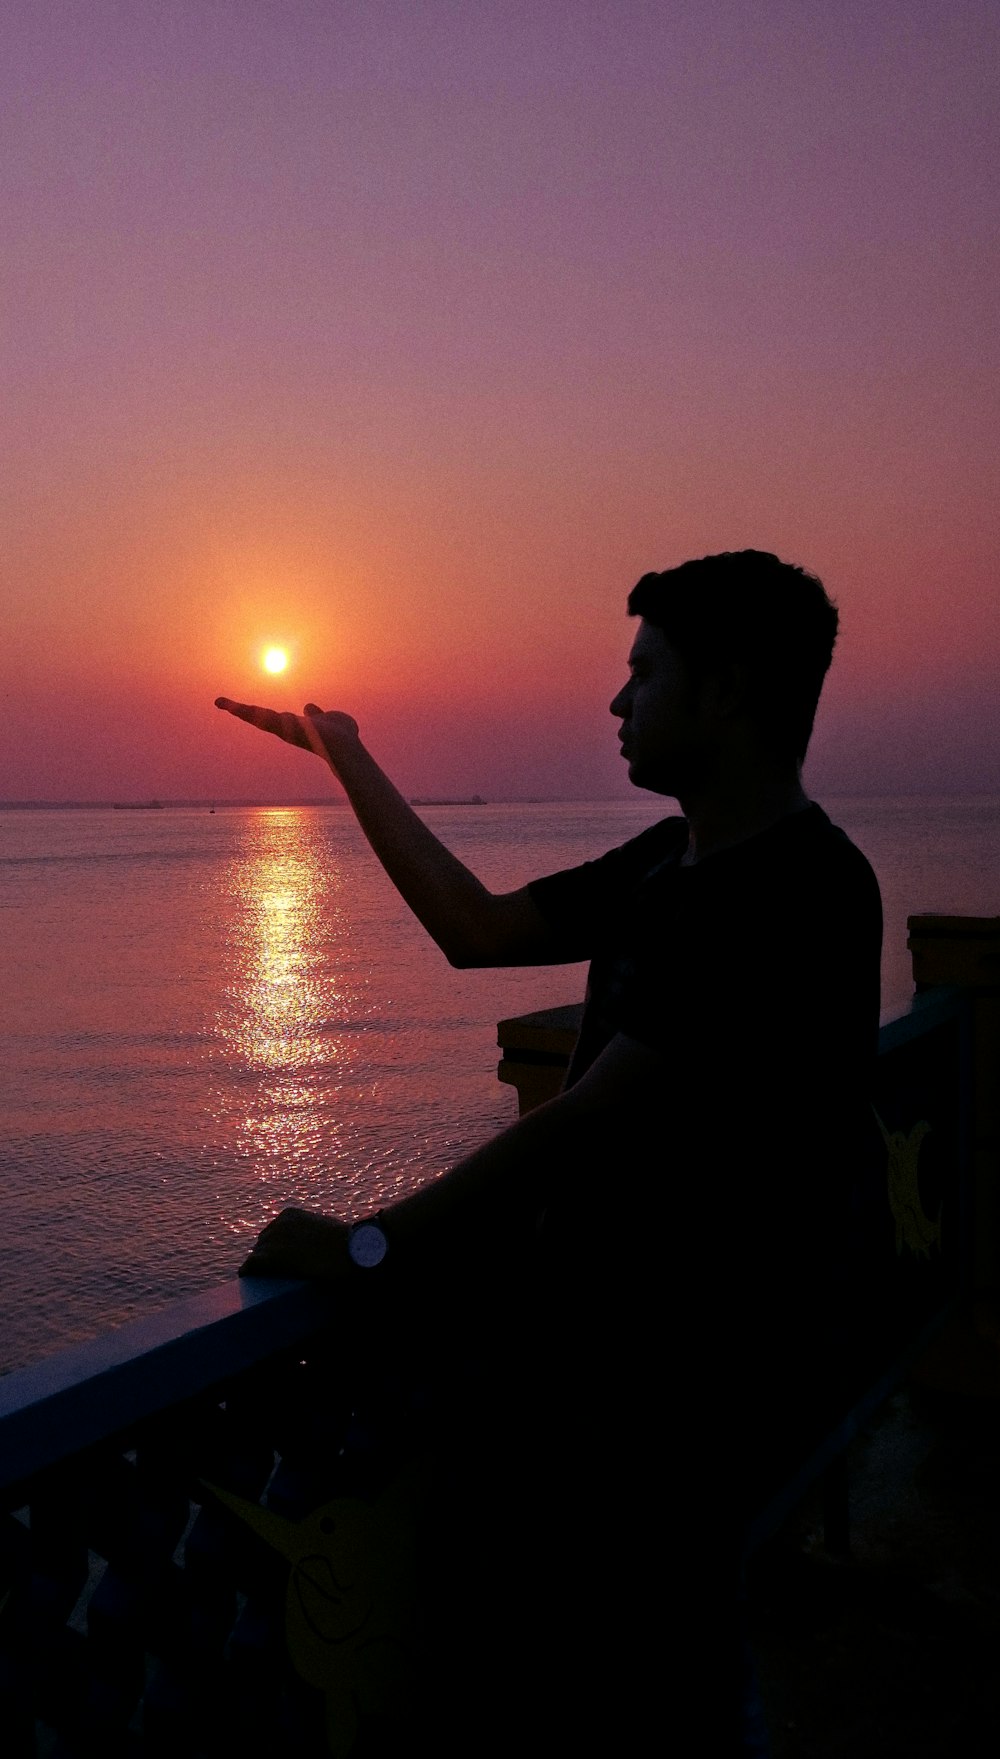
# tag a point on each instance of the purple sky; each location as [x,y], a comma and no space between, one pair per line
[409,336]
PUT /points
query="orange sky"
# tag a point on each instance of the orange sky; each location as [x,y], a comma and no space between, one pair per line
[410,339]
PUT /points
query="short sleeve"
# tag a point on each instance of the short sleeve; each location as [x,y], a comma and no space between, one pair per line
[578,903]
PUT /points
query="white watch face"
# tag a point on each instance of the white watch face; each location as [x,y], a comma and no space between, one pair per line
[367,1245]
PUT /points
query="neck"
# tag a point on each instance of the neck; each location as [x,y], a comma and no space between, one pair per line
[738,808]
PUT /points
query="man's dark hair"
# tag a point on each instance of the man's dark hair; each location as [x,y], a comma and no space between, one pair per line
[770,617]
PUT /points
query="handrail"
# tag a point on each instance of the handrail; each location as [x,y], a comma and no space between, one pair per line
[928,1008]
[93,1391]
[162,1480]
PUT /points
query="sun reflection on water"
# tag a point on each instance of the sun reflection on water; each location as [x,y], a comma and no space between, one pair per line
[292,983]
[281,998]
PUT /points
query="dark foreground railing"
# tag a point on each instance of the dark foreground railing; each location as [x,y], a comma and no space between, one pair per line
[923,1105]
[198,1551]
[137,1612]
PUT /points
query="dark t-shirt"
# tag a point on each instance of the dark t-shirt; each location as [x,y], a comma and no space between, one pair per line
[729,1201]
[673,1354]
[784,929]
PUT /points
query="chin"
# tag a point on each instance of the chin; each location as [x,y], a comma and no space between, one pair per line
[642,776]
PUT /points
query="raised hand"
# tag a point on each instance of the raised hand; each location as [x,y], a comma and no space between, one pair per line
[471,925]
[320,730]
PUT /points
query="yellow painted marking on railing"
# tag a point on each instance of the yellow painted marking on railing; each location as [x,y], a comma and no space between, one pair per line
[350,1604]
[913,1227]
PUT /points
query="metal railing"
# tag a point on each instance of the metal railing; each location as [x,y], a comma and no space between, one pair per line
[164,1566]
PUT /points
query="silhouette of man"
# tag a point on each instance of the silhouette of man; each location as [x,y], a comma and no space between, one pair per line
[691,1298]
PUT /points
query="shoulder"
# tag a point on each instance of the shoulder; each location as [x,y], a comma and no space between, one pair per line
[804,845]
[664,841]
[619,868]
[812,842]
[801,885]
[579,902]
[816,914]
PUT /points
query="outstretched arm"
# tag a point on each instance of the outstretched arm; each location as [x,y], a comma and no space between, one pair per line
[471,925]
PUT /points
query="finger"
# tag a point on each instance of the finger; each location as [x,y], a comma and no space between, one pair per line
[290,728]
[248,711]
[272,1230]
[274,1233]
[312,735]
[264,1256]
[255,1265]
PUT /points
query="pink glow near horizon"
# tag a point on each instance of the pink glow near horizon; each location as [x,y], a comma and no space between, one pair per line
[408,338]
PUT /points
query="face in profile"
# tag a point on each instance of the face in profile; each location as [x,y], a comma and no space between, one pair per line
[665,731]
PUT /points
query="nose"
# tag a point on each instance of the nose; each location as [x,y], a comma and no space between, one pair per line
[619,704]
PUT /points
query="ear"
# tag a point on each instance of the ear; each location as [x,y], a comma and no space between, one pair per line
[725,690]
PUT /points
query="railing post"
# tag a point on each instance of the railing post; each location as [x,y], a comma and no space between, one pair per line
[965,951]
[536,1052]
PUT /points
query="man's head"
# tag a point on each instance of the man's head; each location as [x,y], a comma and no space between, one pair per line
[753,637]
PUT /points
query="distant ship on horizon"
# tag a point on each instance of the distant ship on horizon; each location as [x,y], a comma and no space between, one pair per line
[446,800]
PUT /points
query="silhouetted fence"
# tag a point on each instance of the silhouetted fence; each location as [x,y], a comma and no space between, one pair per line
[204,1544]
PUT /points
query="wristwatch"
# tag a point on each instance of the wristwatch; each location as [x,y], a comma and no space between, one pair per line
[367,1244]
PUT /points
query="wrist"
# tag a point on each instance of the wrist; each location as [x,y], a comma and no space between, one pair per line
[367,1244]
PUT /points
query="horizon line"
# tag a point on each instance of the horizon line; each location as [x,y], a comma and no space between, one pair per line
[212,803]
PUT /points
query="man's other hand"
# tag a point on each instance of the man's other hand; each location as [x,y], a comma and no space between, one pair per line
[300,1243]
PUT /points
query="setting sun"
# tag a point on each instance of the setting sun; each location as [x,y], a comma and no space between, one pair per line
[275,659]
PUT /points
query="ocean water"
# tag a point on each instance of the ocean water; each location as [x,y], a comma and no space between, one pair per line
[208,1015]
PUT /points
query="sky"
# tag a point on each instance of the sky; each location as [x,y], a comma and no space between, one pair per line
[408,336]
